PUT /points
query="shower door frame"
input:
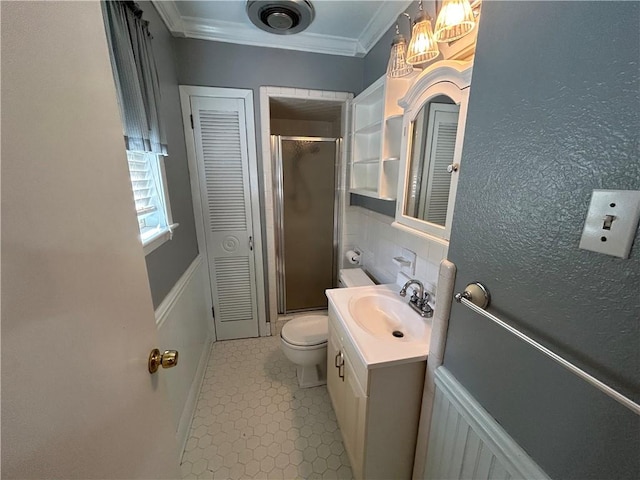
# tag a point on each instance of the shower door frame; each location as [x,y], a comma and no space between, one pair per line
[278,206]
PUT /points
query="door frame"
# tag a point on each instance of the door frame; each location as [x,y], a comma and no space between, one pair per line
[186,92]
[266,93]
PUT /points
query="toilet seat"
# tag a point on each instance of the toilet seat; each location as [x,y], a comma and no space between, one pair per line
[306,331]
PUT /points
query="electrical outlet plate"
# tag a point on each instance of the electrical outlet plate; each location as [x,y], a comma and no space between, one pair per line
[611,223]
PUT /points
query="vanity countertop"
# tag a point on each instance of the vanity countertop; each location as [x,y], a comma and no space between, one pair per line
[380,311]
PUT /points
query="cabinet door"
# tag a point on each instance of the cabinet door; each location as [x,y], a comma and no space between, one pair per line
[353,422]
[335,384]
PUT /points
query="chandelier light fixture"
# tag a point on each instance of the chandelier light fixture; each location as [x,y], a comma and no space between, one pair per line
[456,19]
[423,46]
[398,66]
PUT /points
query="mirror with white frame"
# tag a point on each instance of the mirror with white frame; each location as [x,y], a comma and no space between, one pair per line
[435,109]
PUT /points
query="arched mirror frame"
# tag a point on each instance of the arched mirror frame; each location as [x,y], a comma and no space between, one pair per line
[450,78]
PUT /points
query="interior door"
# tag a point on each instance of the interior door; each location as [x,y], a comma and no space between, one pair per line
[77,318]
[222,156]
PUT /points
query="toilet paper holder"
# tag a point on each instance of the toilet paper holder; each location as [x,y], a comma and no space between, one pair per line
[353,256]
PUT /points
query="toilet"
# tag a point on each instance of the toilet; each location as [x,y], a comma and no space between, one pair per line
[304,338]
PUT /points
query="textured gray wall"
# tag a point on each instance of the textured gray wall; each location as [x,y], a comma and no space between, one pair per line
[166,264]
[554,113]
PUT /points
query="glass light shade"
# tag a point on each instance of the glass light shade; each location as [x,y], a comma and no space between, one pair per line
[423,46]
[398,66]
[454,21]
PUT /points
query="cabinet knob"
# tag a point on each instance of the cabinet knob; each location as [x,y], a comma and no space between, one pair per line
[453,167]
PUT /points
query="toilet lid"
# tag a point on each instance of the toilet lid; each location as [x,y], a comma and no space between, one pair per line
[306,331]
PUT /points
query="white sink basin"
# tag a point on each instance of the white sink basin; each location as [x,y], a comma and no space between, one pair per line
[370,315]
[387,317]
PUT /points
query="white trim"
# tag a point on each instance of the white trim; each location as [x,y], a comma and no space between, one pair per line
[184,425]
[266,93]
[418,233]
[244,34]
[380,24]
[162,312]
[504,448]
[156,240]
[168,11]
[455,72]
[187,91]
[240,33]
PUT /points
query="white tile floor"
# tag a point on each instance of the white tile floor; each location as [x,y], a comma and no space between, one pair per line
[253,421]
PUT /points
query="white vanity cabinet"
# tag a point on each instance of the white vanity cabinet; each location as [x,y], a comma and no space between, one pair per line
[375,138]
[378,409]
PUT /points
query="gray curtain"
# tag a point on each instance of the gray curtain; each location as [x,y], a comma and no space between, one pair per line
[135,75]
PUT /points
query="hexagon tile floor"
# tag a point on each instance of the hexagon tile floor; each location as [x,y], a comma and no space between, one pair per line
[253,421]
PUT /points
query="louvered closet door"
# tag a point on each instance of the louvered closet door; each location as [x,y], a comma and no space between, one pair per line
[441,143]
[223,170]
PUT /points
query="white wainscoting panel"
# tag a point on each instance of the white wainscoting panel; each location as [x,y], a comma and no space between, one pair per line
[466,442]
[185,324]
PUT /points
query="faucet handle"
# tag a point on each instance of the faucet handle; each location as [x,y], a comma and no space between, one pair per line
[427,311]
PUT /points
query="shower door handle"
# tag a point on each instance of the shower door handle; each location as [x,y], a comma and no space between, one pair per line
[251,243]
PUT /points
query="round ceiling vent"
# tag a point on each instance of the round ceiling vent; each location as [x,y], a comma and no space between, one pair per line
[282,17]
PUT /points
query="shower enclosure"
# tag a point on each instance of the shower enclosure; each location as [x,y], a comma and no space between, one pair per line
[306,206]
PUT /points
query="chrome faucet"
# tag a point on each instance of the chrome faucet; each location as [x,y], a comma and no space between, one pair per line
[418,301]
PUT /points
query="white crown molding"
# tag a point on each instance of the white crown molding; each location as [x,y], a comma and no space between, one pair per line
[170,15]
[233,32]
[380,23]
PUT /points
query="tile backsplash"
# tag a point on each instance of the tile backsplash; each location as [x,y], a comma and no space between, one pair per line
[379,242]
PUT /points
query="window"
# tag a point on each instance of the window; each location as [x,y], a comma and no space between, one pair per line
[151,198]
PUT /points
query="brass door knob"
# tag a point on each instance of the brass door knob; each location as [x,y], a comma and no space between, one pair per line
[167,359]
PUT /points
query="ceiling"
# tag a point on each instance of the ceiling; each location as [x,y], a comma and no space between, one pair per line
[349,28]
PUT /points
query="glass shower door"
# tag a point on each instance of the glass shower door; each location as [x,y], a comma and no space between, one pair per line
[306,197]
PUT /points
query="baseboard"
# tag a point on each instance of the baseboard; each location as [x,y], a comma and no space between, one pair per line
[182,434]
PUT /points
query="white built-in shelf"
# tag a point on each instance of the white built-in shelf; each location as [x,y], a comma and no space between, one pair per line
[371,128]
[367,160]
[375,138]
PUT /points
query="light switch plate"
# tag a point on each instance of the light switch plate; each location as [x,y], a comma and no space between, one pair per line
[611,223]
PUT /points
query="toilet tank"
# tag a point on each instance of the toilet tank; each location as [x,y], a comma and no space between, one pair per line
[353,277]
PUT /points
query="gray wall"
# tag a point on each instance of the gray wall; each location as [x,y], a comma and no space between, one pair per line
[217,64]
[166,264]
[375,62]
[554,113]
